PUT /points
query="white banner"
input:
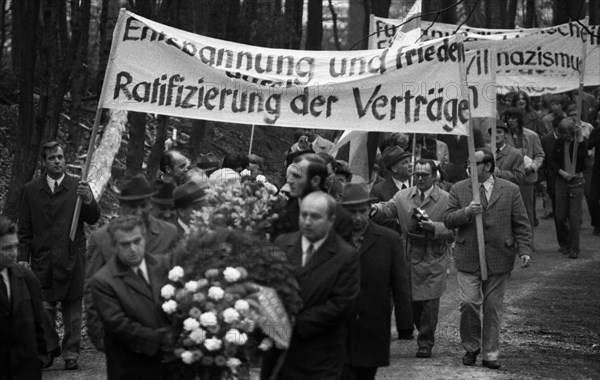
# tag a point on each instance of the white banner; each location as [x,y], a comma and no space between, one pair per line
[538,61]
[154,68]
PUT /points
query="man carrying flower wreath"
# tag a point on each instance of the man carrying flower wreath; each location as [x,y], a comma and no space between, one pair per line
[126,293]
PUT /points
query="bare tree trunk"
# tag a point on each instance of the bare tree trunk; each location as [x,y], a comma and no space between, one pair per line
[135,144]
[314,29]
[594,12]
[28,133]
[381,8]
[478,17]
[433,10]
[79,68]
[511,14]
[104,155]
[2,29]
[566,10]
[336,37]
[108,19]
[159,146]
[530,15]
[294,10]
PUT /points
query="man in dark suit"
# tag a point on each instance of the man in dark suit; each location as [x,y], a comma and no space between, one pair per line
[126,294]
[548,142]
[22,343]
[161,237]
[507,232]
[327,269]
[397,163]
[47,208]
[458,149]
[307,174]
[569,183]
[384,270]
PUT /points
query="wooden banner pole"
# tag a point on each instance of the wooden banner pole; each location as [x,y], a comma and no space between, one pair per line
[251,140]
[84,173]
[414,156]
[572,170]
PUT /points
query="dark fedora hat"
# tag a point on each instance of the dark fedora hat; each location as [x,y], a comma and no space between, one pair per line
[164,195]
[394,154]
[187,194]
[137,188]
[208,161]
[355,194]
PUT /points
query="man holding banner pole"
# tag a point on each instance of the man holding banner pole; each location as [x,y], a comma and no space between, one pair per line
[507,232]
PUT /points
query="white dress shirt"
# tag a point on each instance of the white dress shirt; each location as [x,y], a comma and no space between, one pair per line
[4,275]
[306,243]
[400,183]
[489,186]
[144,270]
[51,181]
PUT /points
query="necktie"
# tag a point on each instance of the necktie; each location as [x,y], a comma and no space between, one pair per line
[310,251]
[483,196]
[3,292]
[55,186]
[498,152]
[141,275]
[422,197]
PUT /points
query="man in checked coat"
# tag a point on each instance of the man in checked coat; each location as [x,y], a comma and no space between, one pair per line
[507,233]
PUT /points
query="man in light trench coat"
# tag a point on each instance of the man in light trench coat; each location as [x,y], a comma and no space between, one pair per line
[427,239]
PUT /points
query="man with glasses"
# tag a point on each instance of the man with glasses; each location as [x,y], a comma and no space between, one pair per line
[507,232]
[161,237]
[420,211]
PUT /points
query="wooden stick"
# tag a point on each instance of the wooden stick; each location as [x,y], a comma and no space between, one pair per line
[251,140]
[573,169]
[474,179]
[84,173]
[414,158]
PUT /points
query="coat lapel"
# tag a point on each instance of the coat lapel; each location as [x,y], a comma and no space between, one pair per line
[391,188]
[132,280]
[496,193]
[368,240]
[155,277]
[294,251]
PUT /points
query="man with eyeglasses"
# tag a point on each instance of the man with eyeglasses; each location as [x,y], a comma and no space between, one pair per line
[507,232]
[420,212]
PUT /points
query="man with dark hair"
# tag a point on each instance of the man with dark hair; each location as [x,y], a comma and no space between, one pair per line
[528,142]
[126,295]
[384,271]
[420,210]
[47,208]
[22,343]
[557,101]
[569,184]
[327,269]
[343,171]
[507,232]
[161,237]
[509,161]
[236,162]
[308,173]
[173,166]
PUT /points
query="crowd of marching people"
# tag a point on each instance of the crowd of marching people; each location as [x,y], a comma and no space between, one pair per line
[355,242]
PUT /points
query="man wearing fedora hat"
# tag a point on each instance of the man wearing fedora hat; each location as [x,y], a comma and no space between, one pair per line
[208,162]
[397,163]
[509,160]
[187,198]
[420,211]
[162,202]
[384,270]
[161,237]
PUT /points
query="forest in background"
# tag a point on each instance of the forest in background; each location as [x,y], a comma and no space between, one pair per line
[54,54]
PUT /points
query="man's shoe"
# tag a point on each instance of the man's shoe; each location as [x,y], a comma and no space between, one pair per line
[491,364]
[573,255]
[470,358]
[71,364]
[564,250]
[51,356]
[424,352]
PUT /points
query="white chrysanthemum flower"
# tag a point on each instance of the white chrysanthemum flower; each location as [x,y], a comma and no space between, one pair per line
[233,362]
[231,274]
[168,291]
[215,293]
[265,344]
[188,357]
[230,315]
[236,337]
[242,306]
[191,324]
[246,173]
[213,344]
[208,319]
[191,286]
[169,307]
[176,273]
[198,336]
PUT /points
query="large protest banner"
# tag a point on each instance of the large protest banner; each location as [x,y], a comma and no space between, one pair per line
[538,60]
[154,68]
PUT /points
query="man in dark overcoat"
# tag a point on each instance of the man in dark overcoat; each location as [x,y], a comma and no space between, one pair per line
[384,270]
[161,238]
[327,269]
[126,294]
[47,208]
[22,343]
